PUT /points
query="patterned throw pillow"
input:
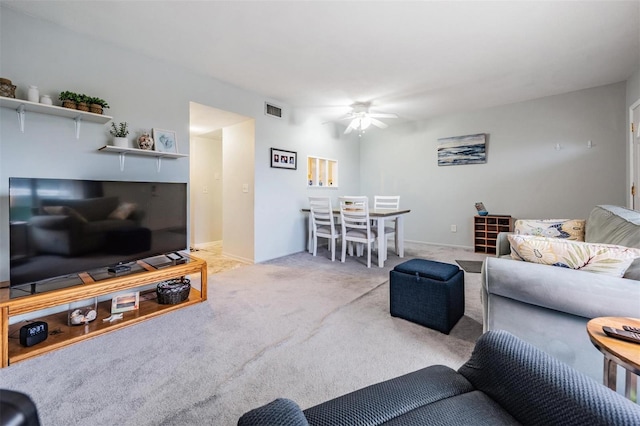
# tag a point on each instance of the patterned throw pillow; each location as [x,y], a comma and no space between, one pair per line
[570,229]
[593,257]
[123,211]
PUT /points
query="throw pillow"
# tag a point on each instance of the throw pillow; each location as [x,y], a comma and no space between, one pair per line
[65,211]
[122,211]
[600,258]
[570,229]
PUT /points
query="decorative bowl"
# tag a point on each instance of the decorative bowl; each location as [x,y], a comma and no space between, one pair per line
[483,212]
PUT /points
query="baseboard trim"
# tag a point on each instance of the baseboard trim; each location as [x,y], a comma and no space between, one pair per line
[427,243]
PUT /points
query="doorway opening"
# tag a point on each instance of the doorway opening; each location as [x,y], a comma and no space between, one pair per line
[222,144]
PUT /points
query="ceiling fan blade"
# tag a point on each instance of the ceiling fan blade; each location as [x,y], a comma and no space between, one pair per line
[379,123]
[350,127]
[383,115]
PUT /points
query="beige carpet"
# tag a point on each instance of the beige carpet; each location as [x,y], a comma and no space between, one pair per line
[300,327]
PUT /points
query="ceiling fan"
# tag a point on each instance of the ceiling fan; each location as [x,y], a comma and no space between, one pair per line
[361,118]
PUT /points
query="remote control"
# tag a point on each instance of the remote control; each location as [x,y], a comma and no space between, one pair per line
[622,334]
[117,269]
[173,256]
[631,329]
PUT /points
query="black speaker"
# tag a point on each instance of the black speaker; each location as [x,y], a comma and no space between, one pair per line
[34,333]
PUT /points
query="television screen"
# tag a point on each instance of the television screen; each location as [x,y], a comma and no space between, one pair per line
[62,227]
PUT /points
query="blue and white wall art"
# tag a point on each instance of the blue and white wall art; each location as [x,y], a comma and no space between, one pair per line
[469,149]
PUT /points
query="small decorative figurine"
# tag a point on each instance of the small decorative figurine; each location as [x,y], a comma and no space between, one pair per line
[145,141]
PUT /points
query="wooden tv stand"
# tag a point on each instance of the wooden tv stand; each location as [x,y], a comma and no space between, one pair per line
[61,334]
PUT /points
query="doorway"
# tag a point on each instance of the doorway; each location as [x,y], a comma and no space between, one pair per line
[212,231]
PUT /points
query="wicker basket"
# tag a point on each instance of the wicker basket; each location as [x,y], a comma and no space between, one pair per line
[173,291]
[95,108]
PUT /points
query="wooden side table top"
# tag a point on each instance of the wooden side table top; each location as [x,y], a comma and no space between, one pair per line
[626,354]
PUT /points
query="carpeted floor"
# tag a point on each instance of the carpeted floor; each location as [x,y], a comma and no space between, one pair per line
[300,327]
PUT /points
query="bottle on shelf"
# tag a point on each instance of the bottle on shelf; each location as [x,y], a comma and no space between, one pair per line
[33,95]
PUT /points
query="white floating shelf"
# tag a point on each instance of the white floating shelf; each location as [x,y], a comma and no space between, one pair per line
[141,152]
[21,107]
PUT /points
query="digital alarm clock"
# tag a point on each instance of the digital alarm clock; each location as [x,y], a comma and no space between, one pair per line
[34,333]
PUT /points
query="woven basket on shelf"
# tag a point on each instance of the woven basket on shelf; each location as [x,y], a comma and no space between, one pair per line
[173,291]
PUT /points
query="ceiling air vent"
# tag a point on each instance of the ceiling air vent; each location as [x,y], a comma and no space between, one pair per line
[272,110]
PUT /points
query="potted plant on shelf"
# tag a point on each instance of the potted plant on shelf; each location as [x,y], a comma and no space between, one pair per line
[69,99]
[83,103]
[97,105]
[119,133]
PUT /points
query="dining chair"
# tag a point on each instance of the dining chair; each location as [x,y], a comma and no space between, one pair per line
[323,224]
[388,202]
[356,226]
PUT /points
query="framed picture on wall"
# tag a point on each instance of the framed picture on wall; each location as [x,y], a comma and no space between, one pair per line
[165,141]
[282,159]
[459,150]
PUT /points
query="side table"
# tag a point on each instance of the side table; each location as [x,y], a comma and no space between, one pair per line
[617,352]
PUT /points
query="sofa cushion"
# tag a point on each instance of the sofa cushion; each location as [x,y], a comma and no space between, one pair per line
[64,211]
[613,225]
[384,401]
[600,258]
[570,229]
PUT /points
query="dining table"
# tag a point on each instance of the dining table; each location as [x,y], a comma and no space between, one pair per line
[381,216]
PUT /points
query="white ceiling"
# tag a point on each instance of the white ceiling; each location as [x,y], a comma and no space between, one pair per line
[417,59]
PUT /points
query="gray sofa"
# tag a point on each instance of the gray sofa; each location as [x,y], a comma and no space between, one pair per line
[505,382]
[72,227]
[550,306]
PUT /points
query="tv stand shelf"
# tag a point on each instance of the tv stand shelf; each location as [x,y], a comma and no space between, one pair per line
[61,334]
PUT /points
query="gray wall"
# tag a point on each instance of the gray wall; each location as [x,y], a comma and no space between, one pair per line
[524,175]
[147,93]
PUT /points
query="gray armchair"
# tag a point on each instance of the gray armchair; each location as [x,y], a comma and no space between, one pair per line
[505,382]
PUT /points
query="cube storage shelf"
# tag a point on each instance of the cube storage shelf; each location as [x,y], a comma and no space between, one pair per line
[63,335]
[486,229]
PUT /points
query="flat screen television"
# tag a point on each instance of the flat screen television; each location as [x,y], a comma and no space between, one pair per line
[60,227]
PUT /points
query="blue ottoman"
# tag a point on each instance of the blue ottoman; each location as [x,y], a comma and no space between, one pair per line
[428,293]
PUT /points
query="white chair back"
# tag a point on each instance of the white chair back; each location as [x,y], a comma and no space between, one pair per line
[356,226]
[323,223]
[386,202]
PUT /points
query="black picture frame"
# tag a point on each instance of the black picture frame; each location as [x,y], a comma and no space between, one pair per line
[283,159]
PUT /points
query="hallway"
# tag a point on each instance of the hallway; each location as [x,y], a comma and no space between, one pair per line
[216,261]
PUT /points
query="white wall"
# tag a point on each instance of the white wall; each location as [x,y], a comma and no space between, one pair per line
[280,193]
[524,175]
[147,93]
[206,190]
[238,152]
